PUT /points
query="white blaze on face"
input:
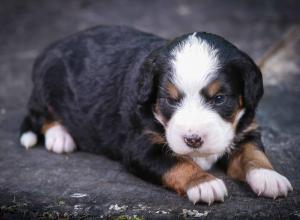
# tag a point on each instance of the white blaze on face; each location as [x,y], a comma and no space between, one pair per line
[195,65]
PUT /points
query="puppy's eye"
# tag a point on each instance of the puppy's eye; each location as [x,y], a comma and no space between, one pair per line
[219,99]
[170,101]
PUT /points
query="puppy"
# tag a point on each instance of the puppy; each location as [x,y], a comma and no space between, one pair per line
[167,109]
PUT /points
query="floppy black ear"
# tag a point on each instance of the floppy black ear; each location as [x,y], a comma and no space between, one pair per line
[252,83]
[148,80]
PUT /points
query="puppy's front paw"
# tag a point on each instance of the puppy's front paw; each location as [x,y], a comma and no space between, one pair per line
[268,183]
[58,140]
[208,192]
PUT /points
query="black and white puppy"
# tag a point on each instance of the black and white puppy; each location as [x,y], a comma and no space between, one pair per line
[168,109]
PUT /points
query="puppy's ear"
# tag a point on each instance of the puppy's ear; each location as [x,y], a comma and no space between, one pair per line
[148,80]
[252,83]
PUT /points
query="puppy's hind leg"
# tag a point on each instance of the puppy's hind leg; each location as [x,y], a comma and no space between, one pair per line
[39,122]
[57,138]
[30,131]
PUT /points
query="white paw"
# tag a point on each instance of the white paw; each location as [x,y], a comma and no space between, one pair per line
[268,183]
[209,192]
[28,139]
[58,140]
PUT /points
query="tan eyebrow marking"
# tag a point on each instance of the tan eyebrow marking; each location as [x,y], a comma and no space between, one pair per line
[213,88]
[173,91]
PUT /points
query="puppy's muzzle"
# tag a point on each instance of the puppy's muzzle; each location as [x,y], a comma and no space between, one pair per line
[193,140]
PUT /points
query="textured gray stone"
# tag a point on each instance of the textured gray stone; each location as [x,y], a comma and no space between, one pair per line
[38,184]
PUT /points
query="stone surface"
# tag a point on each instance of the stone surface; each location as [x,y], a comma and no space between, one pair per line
[37,184]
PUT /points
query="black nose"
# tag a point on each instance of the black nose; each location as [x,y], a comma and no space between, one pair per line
[193,140]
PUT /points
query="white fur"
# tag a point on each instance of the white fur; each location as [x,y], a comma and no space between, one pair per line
[206,162]
[268,183]
[195,63]
[209,192]
[194,66]
[28,139]
[193,117]
[58,140]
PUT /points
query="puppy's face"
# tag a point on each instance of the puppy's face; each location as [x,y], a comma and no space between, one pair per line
[201,96]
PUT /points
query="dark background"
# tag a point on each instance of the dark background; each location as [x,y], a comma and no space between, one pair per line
[38,184]
[26,27]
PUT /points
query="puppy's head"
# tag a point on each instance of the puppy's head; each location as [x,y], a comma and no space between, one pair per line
[204,89]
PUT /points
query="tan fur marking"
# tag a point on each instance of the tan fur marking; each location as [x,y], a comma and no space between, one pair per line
[253,126]
[173,91]
[47,125]
[234,115]
[155,137]
[240,101]
[159,116]
[184,175]
[246,158]
[234,118]
[213,88]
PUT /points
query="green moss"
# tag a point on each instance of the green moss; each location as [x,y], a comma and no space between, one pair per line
[125,217]
[10,209]
[61,202]
[50,215]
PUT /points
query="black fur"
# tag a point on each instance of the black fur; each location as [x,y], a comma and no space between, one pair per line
[102,85]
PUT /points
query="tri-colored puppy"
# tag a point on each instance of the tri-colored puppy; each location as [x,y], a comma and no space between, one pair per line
[168,109]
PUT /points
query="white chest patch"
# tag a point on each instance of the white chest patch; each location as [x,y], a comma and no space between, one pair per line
[206,162]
